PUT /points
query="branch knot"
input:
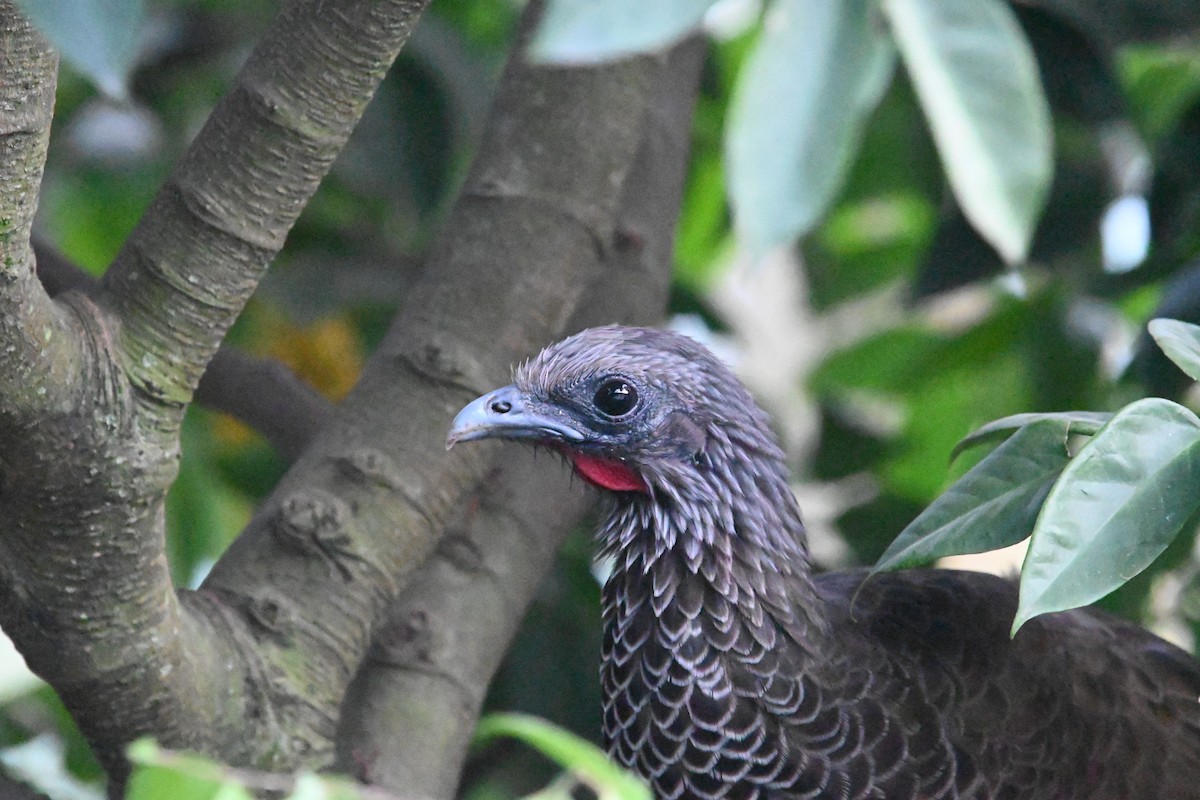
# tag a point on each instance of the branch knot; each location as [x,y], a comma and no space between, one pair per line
[312,522]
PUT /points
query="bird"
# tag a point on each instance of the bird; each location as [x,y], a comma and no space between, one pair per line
[732,668]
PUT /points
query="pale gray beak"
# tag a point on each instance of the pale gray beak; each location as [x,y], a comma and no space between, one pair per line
[502,415]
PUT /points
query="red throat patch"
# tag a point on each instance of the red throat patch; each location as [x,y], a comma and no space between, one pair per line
[616,476]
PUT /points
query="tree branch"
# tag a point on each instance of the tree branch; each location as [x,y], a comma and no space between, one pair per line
[199,251]
[84,588]
[253,668]
[328,553]
[429,669]
[267,396]
[40,355]
[261,392]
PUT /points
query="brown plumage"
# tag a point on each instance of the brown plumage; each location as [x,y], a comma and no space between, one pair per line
[730,670]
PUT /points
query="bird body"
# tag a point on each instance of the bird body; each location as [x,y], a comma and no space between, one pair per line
[730,670]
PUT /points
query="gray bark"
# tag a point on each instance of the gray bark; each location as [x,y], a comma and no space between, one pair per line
[565,219]
[430,667]
[93,386]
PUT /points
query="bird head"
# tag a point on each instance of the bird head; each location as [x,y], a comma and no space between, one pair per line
[634,409]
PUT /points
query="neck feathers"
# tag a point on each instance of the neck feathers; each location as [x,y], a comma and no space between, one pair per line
[726,521]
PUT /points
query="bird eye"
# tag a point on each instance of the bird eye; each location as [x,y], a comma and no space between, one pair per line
[615,397]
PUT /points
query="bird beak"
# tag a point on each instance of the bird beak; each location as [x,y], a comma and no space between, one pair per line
[502,415]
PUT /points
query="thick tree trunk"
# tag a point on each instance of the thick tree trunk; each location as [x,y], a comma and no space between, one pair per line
[430,667]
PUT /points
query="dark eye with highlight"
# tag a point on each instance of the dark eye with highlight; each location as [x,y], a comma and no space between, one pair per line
[616,397]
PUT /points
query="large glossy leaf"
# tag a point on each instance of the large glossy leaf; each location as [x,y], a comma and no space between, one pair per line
[992,506]
[798,114]
[1180,341]
[1117,506]
[1074,422]
[581,757]
[586,31]
[977,80]
[100,38]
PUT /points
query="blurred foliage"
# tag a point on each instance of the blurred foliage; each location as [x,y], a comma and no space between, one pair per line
[966,339]
[816,72]
[584,763]
[99,39]
[159,774]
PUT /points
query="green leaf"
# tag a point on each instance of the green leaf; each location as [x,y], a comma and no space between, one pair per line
[1085,423]
[310,786]
[160,773]
[992,506]
[886,363]
[587,31]
[100,38]
[584,759]
[977,80]
[799,112]
[1180,341]
[1118,504]
[1161,84]
[865,244]
[703,224]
